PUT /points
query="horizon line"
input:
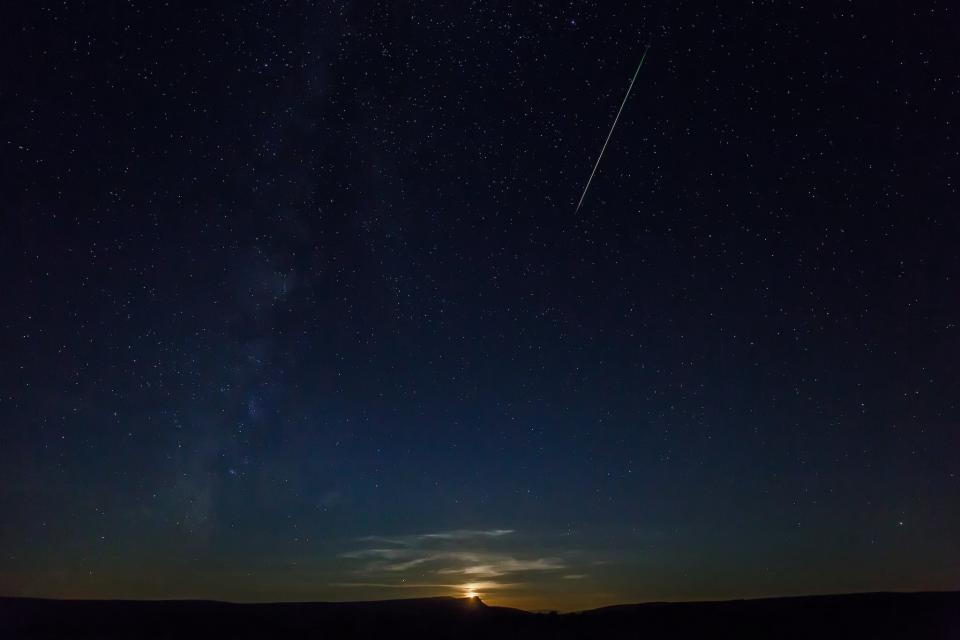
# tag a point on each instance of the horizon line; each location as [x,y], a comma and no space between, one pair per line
[480,599]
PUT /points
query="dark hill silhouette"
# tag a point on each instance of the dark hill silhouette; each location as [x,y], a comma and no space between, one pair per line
[875,615]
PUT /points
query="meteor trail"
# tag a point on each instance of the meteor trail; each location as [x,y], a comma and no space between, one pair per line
[597,164]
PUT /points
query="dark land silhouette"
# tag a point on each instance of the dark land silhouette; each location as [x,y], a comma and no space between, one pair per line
[871,615]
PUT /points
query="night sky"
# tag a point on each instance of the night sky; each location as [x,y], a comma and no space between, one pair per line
[296,306]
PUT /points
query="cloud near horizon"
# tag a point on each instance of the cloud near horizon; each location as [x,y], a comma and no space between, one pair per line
[456,534]
[475,555]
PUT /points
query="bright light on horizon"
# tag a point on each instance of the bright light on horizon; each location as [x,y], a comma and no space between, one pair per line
[471,590]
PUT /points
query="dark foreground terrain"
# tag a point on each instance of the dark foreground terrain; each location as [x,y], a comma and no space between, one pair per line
[877,615]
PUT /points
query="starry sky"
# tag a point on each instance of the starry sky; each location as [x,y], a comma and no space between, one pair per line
[296,306]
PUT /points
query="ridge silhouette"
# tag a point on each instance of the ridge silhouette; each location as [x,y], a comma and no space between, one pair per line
[932,615]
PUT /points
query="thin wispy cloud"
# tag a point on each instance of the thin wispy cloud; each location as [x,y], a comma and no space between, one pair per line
[388,554]
[503,565]
[467,534]
[483,585]
[454,535]
[476,555]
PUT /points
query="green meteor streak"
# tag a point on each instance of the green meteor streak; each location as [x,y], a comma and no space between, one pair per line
[612,127]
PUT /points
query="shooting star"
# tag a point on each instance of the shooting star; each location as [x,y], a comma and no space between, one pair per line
[612,127]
